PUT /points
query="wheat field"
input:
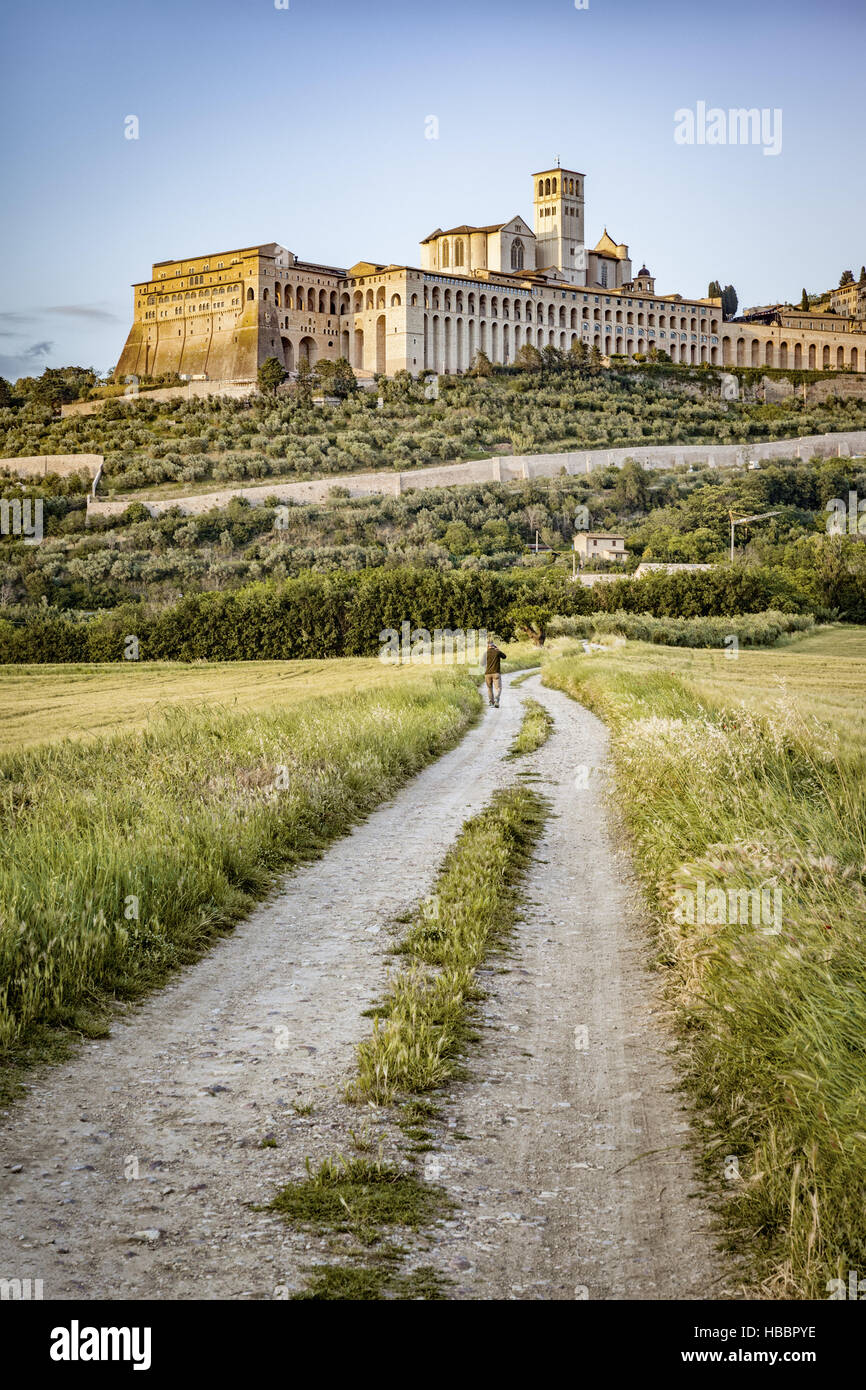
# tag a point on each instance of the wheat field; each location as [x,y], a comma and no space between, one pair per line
[39,703]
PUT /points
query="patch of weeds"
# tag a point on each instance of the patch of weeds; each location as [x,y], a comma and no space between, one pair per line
[45,1045]
[359,1196]
[533,732]
[362,1141]
[362,1283]
[423,1282]
[376,1011]
[417,1111]
[518,680]
[302,1107]
[349,1282]
[90,1024]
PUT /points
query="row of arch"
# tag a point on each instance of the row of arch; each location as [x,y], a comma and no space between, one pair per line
[324,302]
[303,299]
[306,351]
[813,356]
[563,317]
[502,345]
[547,188]
[307,300]
[371,301]
[450,344]
[352,346]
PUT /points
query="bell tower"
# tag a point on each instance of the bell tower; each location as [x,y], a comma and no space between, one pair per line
[558,202]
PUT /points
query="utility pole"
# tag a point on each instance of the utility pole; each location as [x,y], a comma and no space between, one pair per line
[741,521]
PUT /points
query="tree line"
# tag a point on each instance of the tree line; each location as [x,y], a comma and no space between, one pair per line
[317,616]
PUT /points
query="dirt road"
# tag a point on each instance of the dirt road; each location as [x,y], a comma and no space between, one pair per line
[575,1181]
[132,1171]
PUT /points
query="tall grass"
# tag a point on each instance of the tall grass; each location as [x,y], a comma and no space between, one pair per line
[773,1025]
[123,856]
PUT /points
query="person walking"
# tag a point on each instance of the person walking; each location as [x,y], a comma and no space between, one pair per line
[492,673]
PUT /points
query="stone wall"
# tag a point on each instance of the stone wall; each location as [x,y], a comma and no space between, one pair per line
[851,443]
[816,391]
[238,390]
[40,465]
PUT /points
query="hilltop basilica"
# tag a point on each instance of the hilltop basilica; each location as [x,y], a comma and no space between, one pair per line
[491,288]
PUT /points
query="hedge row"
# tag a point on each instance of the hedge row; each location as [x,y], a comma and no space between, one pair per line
[343,615]
[752,629]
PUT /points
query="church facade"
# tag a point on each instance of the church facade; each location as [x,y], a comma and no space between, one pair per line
[487,288]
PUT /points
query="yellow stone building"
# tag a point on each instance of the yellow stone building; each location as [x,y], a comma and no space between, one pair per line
[850,300]
[489,288]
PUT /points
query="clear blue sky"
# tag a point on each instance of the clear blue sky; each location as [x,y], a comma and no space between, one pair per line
[306,126]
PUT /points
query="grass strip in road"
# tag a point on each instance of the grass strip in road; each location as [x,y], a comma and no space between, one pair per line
[125,856]
[725,799]
[535,729]
[420,1028]
[524,676]
[419,1033]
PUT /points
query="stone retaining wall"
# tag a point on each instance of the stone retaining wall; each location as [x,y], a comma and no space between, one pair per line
[237,390]
[40,465]
[851,443]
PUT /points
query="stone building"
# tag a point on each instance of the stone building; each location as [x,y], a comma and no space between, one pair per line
[491,288]
[599,545]
[850,300]
[221,316]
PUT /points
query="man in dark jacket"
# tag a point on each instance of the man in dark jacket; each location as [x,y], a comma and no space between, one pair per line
[492,676]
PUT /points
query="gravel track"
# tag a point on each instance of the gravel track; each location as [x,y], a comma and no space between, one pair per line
[139,1160]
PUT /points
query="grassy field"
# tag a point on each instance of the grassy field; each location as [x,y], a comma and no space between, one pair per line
[53,702]
[125,853]
[743,783]
[821,675]
[42,703]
